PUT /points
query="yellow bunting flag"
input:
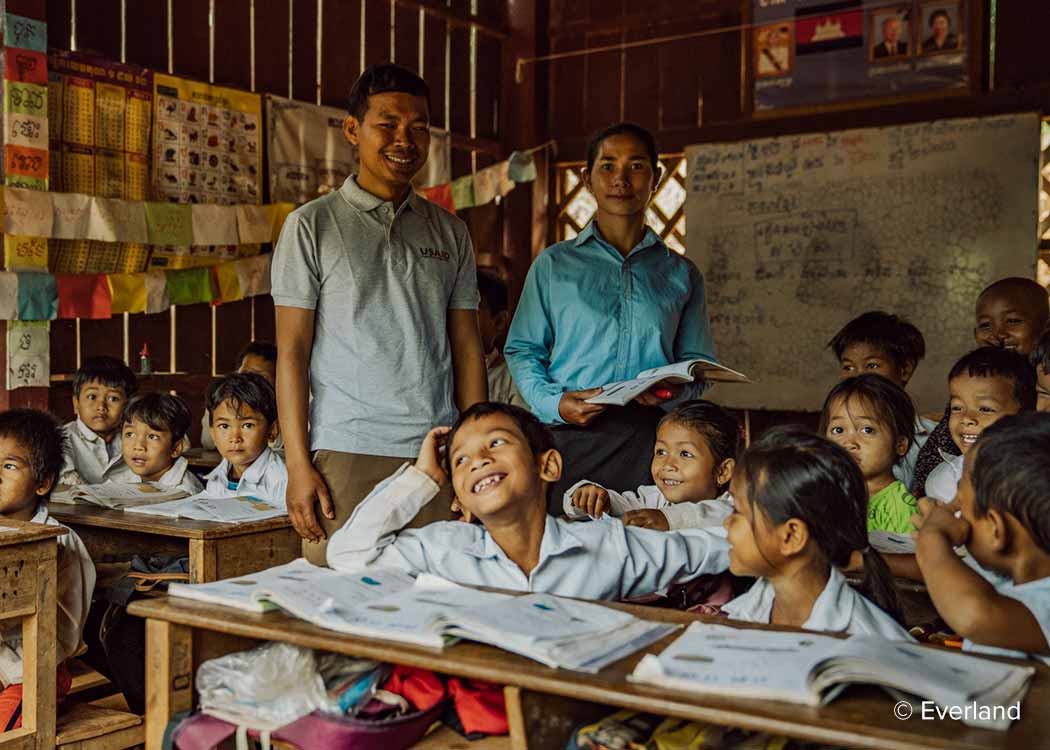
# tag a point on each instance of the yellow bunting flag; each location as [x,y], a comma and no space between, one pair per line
[25,253]
[128,291]
[228,282]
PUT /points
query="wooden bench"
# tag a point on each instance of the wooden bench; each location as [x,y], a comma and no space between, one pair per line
[215,550]
[28,554]
[545,704]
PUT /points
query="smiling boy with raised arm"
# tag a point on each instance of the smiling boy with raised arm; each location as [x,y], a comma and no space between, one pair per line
[501,460]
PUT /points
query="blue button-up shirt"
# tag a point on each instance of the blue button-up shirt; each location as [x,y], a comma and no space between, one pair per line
[588,317]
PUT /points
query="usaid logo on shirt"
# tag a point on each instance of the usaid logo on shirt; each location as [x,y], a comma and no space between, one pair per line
[429,252]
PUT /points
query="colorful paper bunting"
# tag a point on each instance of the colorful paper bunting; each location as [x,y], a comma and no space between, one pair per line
[521,167]
[254,275]
[128,292]
[28,213]
[188,286]
[214,225]
[169,223]
[83,295]
[491,182]
[228,283]
[8,295]
[37,296]
[71,214]
[157,299]
[441,195]
[255,224]
[463,192]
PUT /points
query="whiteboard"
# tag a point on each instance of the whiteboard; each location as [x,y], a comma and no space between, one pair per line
[797,235]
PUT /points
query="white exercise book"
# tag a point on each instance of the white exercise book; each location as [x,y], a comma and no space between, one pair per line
[625,391]
[202,507]
[117,494]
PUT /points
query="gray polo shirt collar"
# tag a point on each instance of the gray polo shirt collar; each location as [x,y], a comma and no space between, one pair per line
[363,200]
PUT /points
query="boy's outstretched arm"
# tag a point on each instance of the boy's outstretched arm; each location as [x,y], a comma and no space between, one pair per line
[968,603]
[370,535]
[653,560]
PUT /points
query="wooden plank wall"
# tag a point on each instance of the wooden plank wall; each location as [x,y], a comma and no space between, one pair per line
[281,71]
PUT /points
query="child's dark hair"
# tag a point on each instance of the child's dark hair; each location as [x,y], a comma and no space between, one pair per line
[887,401]
[623,128]
[1010,472]
[900,340]
[40,434]
[161,411]
[384,78]
[1040,356]
[493,292]
[792,473]
[109,371]
[263,349]
[717,425]
[993,362]
[243,389]
[536,434]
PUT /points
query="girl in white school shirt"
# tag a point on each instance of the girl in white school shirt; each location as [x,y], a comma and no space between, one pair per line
[799,511]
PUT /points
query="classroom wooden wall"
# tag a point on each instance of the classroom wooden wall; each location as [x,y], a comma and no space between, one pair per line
[198,341]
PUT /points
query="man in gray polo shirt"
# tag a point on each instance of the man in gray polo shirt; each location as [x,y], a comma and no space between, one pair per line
[376,297]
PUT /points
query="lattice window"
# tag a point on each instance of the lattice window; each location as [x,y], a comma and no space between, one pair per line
[666,213]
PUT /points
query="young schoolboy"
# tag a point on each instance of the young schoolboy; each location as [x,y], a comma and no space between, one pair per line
[493,321]
[243,411]
[998,597]
[693,460]
[259,357]
[985,385]
[879,343]
[101,388]
[152,441]
[1010,314]
[1040,359]
[500,460]
[31,455]
[375,294]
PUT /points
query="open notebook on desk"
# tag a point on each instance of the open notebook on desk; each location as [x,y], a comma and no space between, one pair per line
[432,612]
[625,391]
[202,507]
[814,669]
[117,494]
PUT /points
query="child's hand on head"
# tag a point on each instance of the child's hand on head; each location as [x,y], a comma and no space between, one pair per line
[591,499]
[431,455]
[939,518]
[646,518]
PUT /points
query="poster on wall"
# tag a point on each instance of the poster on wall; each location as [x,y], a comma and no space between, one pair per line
[207,149]
[810,52]
[206,143]
[309,156]
[102,113]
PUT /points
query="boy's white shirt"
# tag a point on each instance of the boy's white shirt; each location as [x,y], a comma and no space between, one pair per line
[88,458]
[178,475]
[76,582]
[1034,595]
[603,560]
[266,479]
[838,609]
[944,479]
[905,470]
[706,514]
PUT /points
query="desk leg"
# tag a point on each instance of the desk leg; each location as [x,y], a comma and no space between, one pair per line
[38,648]
[204,561]
[169,677]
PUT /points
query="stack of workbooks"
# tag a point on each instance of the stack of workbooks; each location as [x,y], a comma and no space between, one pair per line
[203,507]
[117,494]
[814,669]
[432,612]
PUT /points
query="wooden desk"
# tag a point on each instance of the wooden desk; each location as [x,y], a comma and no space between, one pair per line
[199,458]
[215,550]
[28,552]
[544,704]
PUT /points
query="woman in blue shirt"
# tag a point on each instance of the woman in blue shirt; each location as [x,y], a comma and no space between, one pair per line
[601,308]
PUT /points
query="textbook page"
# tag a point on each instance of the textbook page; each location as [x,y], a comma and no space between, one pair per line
[201,507]
[736,661]
[118,494]
[623,392]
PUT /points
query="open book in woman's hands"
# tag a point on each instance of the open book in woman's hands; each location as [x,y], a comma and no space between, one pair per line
[625,391]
